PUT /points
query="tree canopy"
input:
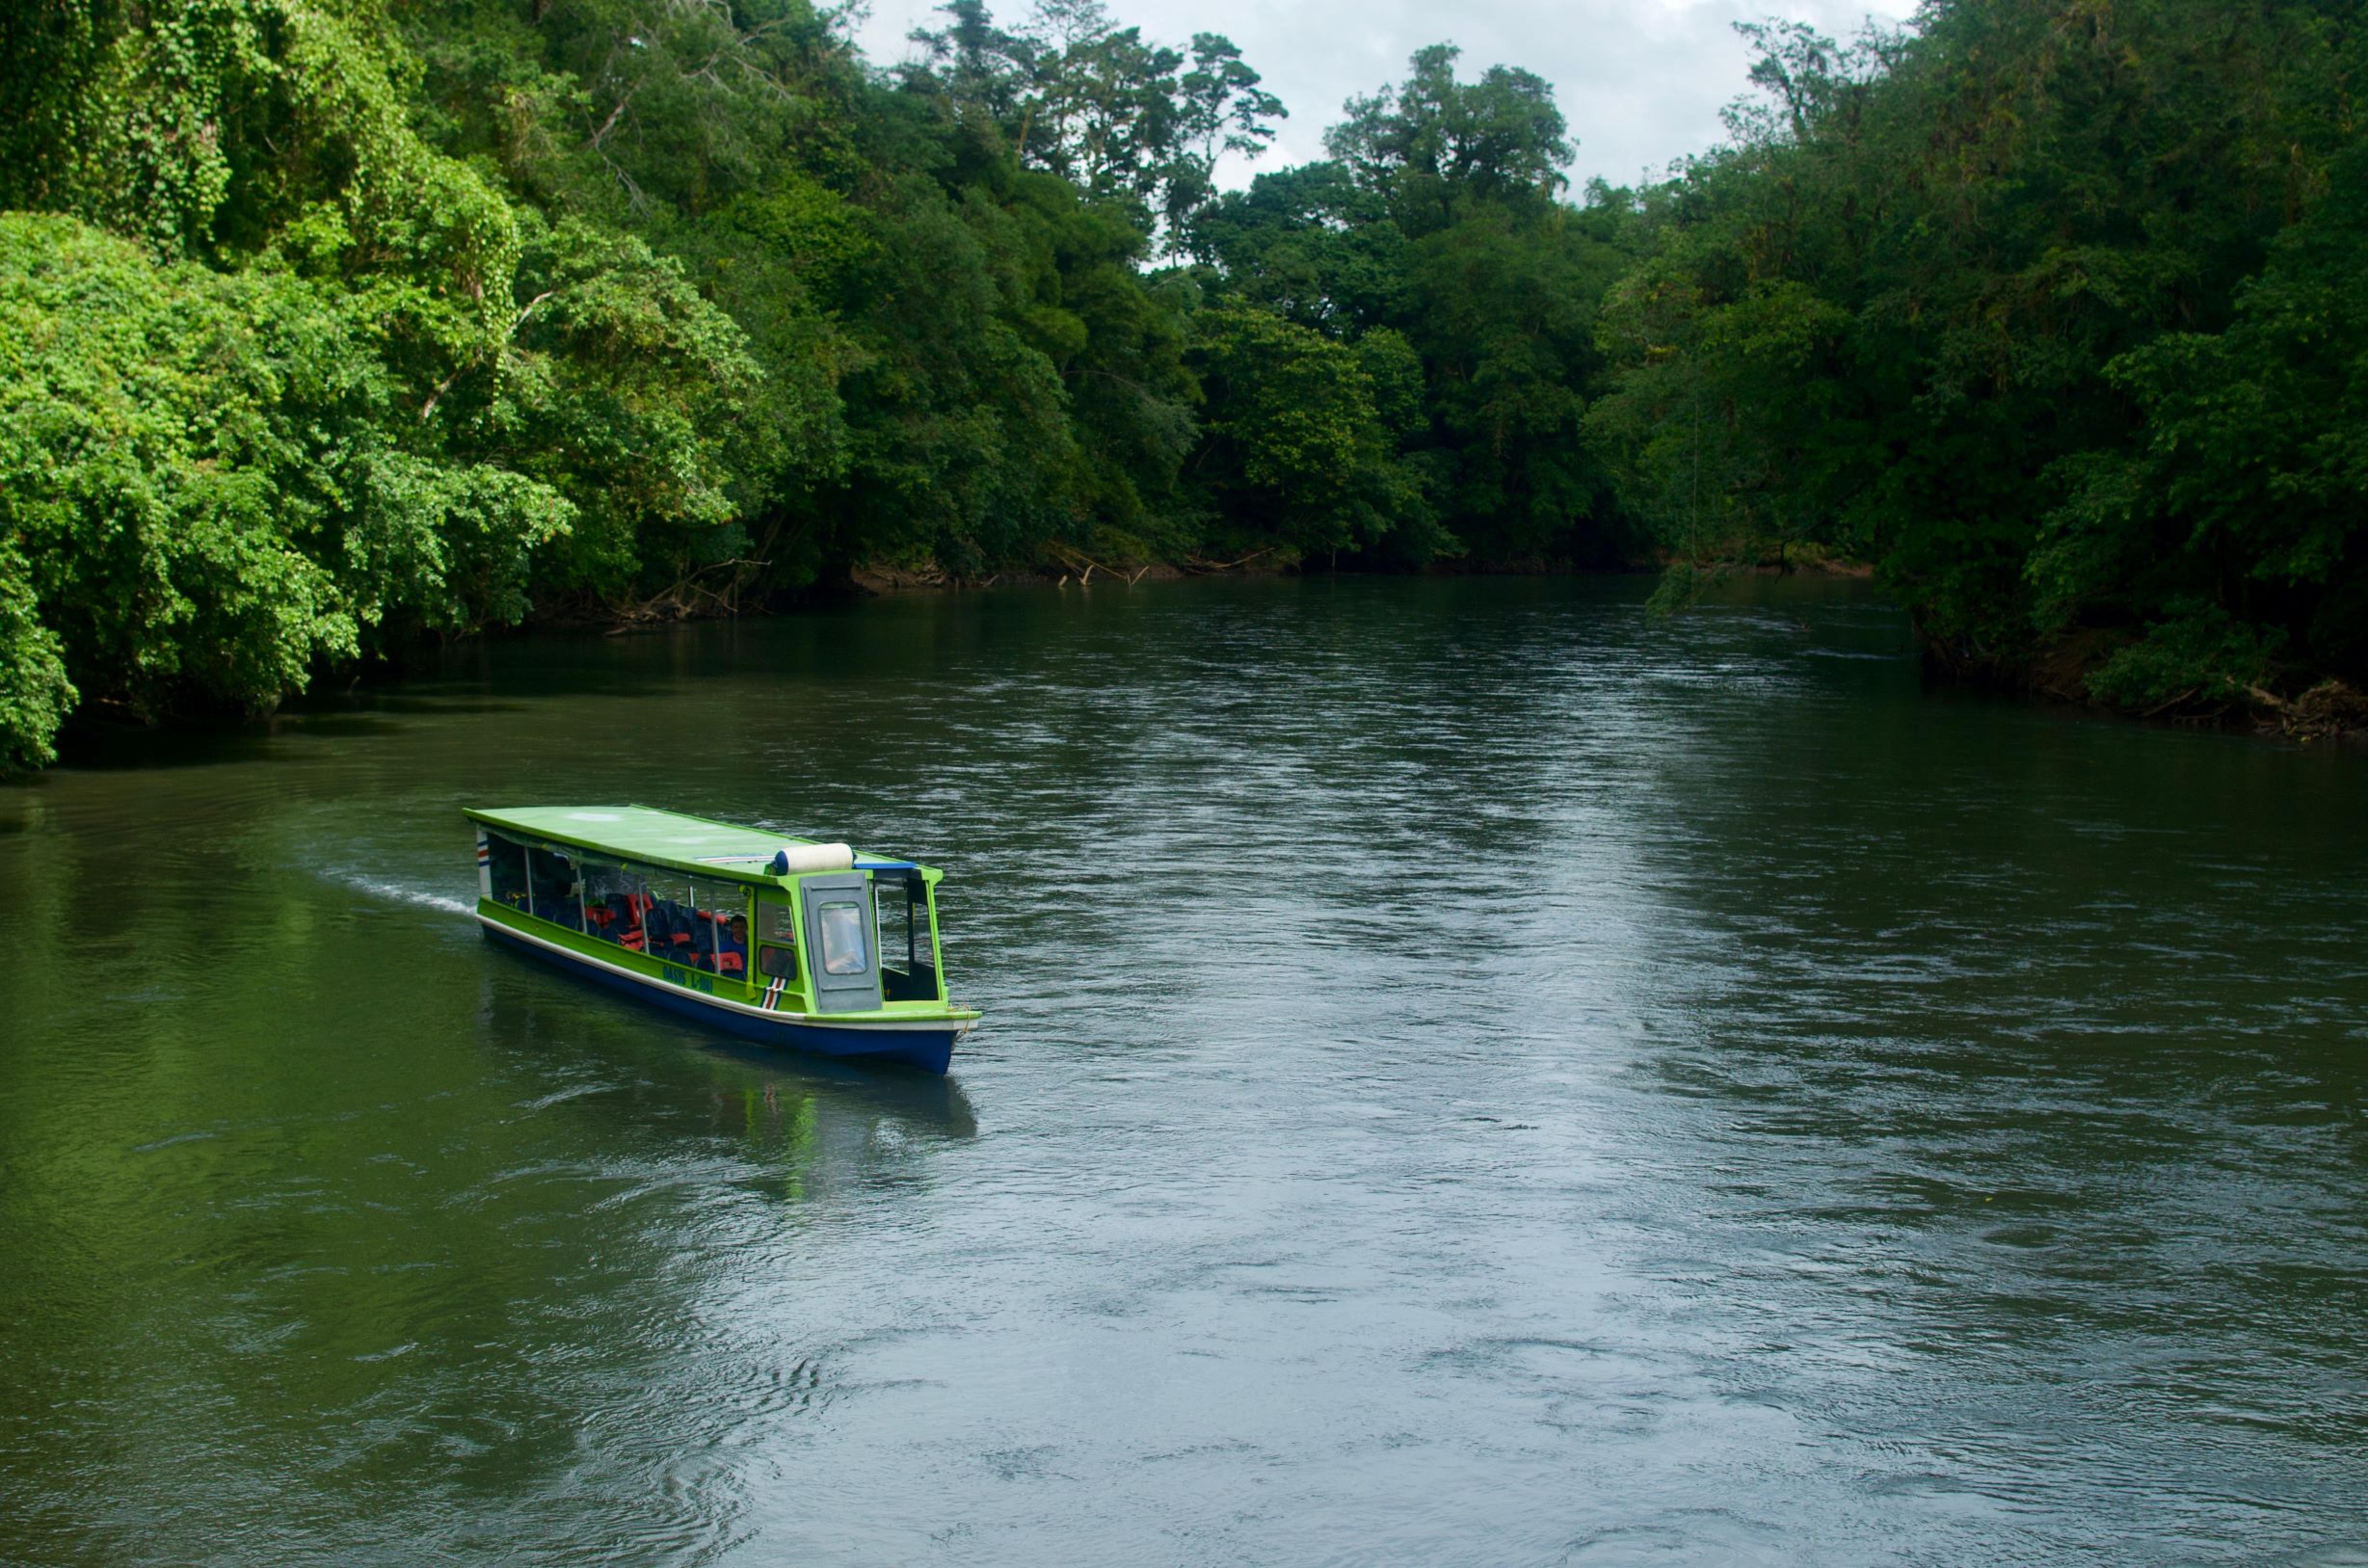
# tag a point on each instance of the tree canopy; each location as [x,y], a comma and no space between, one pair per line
[333,325]
[2042,309]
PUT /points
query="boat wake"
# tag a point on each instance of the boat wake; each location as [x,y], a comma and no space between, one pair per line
[396,890]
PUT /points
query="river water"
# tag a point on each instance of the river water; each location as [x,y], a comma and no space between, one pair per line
[1472,1075]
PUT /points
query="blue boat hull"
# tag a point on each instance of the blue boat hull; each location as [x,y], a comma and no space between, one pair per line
[930,1049]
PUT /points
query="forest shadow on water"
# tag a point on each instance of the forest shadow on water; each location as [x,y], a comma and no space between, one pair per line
[1472,1072]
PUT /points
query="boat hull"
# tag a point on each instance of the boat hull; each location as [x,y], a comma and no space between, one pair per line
[925,1045]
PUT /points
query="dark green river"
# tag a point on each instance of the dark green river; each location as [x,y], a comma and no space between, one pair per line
[1471,1074]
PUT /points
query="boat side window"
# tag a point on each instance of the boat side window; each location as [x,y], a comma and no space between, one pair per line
[615,898]
[718,915]
[506,863]
[907,963]
[667,923]
[551,889]
[776,931]
[894,904]
[925,939]
[839,924]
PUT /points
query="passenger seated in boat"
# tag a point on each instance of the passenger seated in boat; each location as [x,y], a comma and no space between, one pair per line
[731,955]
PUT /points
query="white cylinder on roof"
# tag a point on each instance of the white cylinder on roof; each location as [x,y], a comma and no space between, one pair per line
[797,859]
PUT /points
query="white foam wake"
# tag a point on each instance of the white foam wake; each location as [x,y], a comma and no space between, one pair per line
[379,889]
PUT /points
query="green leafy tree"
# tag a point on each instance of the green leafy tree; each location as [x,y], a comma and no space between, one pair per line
[2240,523]
[1435,146]
[199,490]
[1310,245]
[1942,301]
[1297,449]
[1439,222]
[1074,95]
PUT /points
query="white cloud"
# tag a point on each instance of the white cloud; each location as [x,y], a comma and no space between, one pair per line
[1641,82]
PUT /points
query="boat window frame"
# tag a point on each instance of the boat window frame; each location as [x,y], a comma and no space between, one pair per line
[567,855]
[636,871]
[906,979]
[937,946]
[492,893]
[884,914]
[866,961]
[721,912]
[663,882]
[775,924]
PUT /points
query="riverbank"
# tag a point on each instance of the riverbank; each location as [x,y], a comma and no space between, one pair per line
[2313,707]
[2202,671]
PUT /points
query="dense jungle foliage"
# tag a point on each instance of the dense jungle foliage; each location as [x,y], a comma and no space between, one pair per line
[328,325]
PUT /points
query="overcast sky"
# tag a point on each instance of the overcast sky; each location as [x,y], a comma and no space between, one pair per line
[1640,80]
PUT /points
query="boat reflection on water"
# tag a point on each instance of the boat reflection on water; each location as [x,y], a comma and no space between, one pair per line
[816,1128]
[760,1097]
[663,1101]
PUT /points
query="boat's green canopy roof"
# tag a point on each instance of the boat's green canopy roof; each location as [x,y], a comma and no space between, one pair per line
[664,838]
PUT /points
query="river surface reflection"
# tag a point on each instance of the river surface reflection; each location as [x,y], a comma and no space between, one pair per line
[1472,1075]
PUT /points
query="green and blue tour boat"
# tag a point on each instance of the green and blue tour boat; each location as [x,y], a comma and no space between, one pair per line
[782,940]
